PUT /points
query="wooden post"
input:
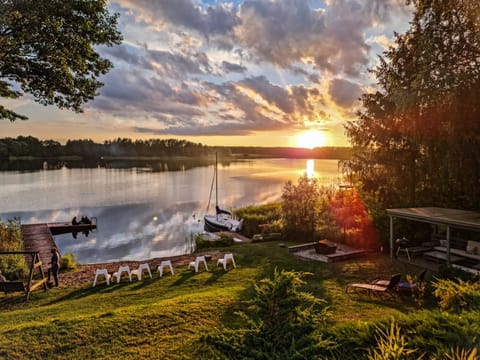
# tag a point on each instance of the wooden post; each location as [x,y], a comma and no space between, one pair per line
[448,245]
[391,236]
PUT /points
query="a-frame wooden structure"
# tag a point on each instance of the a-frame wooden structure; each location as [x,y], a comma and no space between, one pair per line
[19,286]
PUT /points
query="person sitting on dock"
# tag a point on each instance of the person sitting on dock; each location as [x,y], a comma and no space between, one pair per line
[74,221]
[86,220]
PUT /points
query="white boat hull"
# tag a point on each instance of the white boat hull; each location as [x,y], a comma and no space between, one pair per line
[221,222]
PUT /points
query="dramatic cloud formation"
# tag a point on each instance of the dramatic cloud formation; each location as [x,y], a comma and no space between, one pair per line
[238,68]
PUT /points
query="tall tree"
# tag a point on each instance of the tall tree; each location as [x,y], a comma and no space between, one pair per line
[47,49]
[417,141]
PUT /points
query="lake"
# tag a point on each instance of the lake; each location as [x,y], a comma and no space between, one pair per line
[145,212]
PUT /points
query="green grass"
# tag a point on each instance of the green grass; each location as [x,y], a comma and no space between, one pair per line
[166,318]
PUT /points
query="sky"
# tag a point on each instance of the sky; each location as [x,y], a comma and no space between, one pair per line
[239,73]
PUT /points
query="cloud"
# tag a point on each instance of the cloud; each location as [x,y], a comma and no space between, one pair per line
[288,31]
[226,69]
[344,93]
[209,20]
[229,67]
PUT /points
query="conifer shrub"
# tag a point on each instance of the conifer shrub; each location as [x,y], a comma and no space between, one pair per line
[280,323]
[457,295]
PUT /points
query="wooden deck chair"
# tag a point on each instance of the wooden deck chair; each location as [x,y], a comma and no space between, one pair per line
[404,286]
[390,289]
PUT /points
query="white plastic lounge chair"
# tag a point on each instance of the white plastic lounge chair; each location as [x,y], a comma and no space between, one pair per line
[195,264]
[138,272]
[225,259]
[104,273]
[165,264]
[122,269]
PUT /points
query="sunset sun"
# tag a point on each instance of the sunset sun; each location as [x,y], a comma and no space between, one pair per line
[311,139]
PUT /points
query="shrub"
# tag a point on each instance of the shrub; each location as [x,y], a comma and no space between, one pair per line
[462,354]
[457,295]
[430,332]
[203,242]
[68,262]
[279,325]
[453,273]
[391,345]
[301,207]
[253,216]
[12,266]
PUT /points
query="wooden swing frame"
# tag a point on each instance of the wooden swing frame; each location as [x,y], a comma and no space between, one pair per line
[19,286]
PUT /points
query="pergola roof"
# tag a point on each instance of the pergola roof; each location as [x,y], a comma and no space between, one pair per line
[456,218]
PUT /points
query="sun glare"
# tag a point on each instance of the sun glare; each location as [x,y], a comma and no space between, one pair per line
[311,139]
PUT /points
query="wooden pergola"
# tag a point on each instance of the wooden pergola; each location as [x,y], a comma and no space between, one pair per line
[450,218]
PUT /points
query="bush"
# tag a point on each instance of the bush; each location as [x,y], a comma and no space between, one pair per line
[203,242]
[253,216]
[453,273]
[301,207]
[279,325]
[391,345]
[68,262]
[431,332]
[12,266]
[457,295]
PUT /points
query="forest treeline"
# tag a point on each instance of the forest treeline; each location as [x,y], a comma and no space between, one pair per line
[29,146]
[88,149]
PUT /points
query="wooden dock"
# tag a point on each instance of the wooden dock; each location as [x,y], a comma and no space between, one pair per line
[238,238]
[65,227]
[38,237]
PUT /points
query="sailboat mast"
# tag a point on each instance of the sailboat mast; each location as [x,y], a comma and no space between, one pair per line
[216,179]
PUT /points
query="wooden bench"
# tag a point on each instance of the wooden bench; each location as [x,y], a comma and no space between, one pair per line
[295,248]
[13,286]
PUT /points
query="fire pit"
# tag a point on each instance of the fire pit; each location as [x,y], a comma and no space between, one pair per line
[325,247]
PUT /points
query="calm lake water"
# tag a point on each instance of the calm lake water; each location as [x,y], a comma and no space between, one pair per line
[143,213]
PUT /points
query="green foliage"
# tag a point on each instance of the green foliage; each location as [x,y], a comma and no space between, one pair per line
[168,149]
[391,345]
[431,333]
[454,273]
[48,50]
[301,205]
[253,216]
[419,290]
[68,262]
[80,322]
[462,354]
[457,295]
[423,120]
[203,242]
[12,266]
[279,325]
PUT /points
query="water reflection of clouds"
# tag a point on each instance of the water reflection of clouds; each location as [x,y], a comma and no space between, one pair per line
[150,215]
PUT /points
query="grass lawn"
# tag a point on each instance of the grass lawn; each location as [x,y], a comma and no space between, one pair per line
[165,318]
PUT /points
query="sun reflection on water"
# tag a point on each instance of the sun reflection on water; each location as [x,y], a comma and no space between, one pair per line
[310,168]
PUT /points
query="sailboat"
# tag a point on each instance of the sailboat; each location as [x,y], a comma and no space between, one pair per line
[222,220]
